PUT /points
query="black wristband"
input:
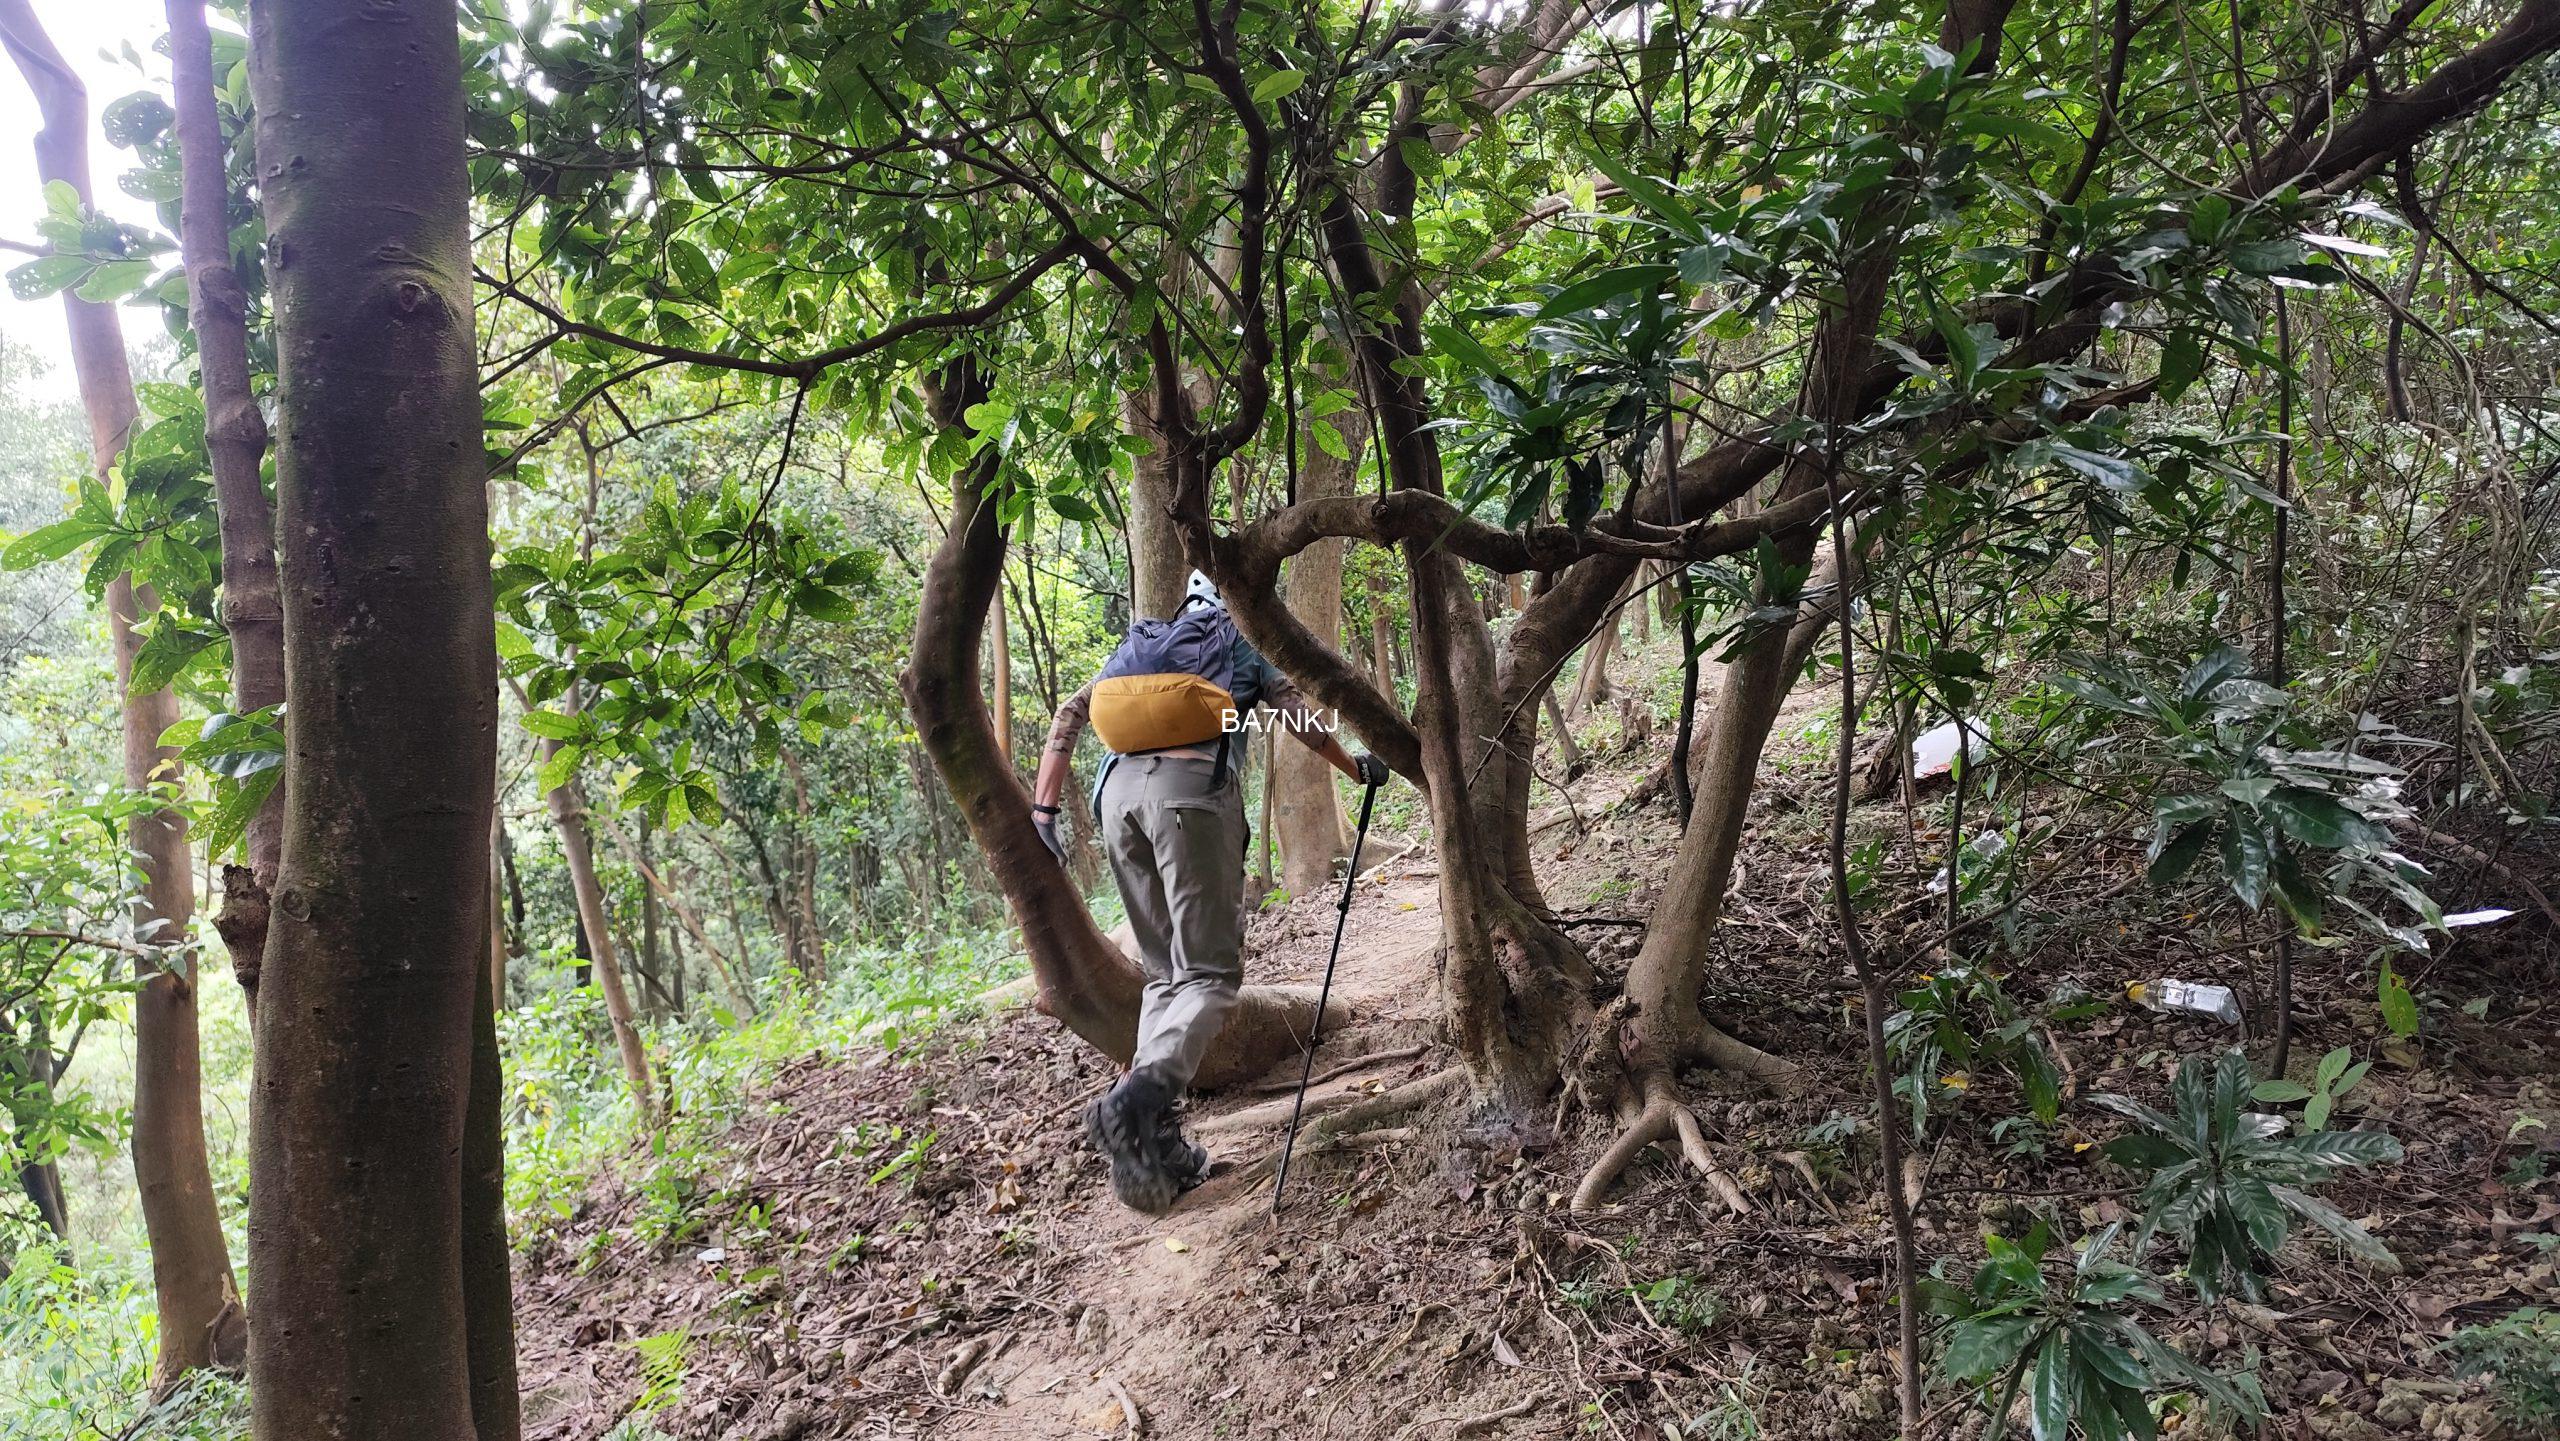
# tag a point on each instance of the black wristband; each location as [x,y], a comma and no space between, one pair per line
[1044,810]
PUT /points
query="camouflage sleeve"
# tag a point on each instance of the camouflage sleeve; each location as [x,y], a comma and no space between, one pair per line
[1071,719]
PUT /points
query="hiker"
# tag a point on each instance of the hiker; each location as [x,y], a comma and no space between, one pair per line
[1168,706]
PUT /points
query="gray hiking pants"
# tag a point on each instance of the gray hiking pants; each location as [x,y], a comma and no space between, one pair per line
[1177,850]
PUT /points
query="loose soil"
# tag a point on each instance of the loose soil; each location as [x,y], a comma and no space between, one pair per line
[1430,1281]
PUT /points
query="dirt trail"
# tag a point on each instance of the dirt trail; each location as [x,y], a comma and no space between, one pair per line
[1146,1289]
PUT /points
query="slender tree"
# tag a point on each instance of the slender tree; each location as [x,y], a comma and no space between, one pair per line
[577,844]
[190,1262]
[236,441]
[362,1323]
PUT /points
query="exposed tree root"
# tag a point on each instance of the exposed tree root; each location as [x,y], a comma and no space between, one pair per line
[1661,1116]
[1357,1063]
[1342,1124]
[1730,1053]
[1802,1165]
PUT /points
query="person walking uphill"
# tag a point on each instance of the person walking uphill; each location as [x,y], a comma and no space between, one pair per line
[1167,705]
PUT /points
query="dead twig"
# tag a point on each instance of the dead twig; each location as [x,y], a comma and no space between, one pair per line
[1136,1427]
[1490,1419]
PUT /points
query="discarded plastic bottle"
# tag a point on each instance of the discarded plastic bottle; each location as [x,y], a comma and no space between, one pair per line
[2190,997]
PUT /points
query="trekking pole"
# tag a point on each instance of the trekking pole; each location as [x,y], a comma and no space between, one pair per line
[1341,917]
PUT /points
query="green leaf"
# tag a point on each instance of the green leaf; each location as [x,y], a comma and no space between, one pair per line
[558,771]
[236,805]
[47,275]
[1468,351]
[1594,290]
[824,604]
[2181,362]
[2278,1093]
[2259,1213]
[2245,856]
[114,280]
[2358,1241]
[552,726]
[1665,206]
[1277,84]
[2399,1007]
[2172,855]
[164,655]
[2019,128]
[1980,1348]
[2318,819]
[2050,1398]
[2338,1150]
[46,543]
[692,269]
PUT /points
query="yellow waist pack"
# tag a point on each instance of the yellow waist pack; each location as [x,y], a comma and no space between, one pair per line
[1134,713]
[1170,683]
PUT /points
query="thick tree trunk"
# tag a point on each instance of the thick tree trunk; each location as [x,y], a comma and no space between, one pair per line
[1306,810]
[595,918]
[1084,981]
[191,1266]
[361,1326]
[236,440]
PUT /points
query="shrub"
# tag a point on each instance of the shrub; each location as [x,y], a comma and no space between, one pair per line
[2229,1185]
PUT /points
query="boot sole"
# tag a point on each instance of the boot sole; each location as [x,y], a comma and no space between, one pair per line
[1139,1184]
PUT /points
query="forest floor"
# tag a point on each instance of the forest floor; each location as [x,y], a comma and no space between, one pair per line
[918,1243]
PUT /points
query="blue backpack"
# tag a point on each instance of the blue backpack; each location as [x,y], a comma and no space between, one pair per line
[1170,683]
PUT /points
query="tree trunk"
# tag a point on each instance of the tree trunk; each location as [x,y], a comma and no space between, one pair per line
[569,814]
[809,946]
[1591,685]
[1157,571]
[1000,663]
[497,920]
[236,440]
[650,953]
[1382,634]
[488,1282]
[1083,980]
[1306,810]
[378,941]
[26,1083]
[190,1258]
[190,1262]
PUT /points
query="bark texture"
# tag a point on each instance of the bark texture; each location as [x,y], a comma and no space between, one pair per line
[1306,810]
[190,1263]
[1157,569]
[379,934]
[236,440]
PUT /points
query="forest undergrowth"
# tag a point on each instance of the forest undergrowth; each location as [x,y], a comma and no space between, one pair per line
[904,1236]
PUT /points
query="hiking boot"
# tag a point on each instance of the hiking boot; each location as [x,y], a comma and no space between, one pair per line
[1180,1157]
[1123,1125]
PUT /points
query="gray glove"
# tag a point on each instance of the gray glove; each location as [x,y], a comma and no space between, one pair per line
[1373,771]
[1046,823]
